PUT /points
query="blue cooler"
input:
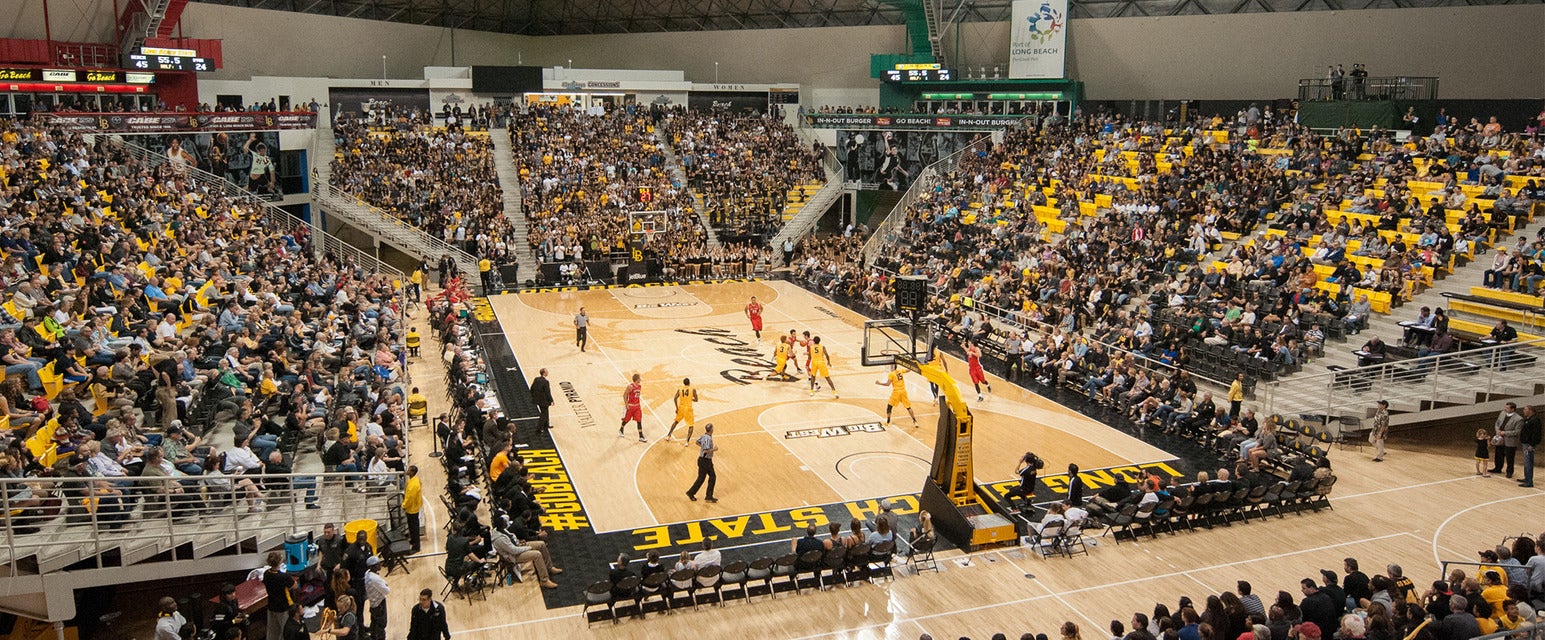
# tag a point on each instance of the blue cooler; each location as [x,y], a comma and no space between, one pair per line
[297,553]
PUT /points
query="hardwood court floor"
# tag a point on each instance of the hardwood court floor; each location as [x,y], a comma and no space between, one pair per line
[1419,506]
[772,454]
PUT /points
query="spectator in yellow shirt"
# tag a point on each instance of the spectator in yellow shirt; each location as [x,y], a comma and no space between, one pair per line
[1236,395]
[500,462]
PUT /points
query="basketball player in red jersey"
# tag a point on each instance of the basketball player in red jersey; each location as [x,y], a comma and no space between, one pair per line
[795,342]
[754,312]
[974,367]
[633,408]
[804,341]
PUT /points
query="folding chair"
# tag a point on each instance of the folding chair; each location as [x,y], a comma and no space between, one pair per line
[1073,540]
[598,594]
[881,556]
[921,555]
[1044,540]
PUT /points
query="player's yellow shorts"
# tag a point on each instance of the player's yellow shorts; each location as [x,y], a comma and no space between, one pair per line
[684,416]
[819,370]
[899,400]
[783,363]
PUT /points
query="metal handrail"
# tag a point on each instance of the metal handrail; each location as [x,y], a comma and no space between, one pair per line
[1028,325]
[272,215]
[1445,564]
[1333,393]
[1370,88]
[383,224]
[832,164]
[801,224]
[888,230]
[1535,630]
[85,518]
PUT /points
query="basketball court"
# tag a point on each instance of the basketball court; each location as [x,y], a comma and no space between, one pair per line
[781,448]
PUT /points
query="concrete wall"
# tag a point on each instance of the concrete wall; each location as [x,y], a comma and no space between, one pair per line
[1478,52]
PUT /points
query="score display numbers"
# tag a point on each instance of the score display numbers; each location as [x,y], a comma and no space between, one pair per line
[919,75]
[167,63]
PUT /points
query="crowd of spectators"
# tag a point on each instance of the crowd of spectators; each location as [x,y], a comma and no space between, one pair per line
[1351,605]
[483,470]
[742,166]
[582,174]
[165,341]
[1025,229]
[441,180]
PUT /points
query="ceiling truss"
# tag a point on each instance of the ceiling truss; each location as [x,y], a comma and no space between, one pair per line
[569,17]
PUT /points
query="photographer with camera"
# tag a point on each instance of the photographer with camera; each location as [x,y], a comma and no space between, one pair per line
[1028,468]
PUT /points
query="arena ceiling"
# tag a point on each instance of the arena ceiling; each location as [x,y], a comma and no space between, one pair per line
[566,17]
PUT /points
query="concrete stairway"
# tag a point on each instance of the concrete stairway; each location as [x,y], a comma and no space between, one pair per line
[1387,326]
[389,229]
[1413,401]
[679,176]
[800,216]
[509,182]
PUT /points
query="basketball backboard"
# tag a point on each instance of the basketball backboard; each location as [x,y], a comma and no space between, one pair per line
[886,339]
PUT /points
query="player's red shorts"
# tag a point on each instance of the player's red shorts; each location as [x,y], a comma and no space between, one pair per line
[634,414]
[977,375]
[756,323]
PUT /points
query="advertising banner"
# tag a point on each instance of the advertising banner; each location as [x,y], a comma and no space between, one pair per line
[734,101]
[881,121]
[1038,39]
[248,159]
[892,159]
[170,122]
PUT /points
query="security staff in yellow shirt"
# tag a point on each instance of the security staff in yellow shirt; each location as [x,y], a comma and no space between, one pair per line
[412,503]
[413,340]
[485,269]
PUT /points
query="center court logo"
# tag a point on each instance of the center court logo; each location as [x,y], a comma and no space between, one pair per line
[835,432]
[1044,23]
[663,305]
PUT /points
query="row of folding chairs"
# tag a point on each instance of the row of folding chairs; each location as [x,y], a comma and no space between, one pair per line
[1219,508]
[739,580]
[1058,538]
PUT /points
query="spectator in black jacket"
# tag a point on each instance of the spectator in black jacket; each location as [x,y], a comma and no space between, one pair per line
[1317,606]
[1529,439]
[1459,624]
[1357,585]
[1338,596]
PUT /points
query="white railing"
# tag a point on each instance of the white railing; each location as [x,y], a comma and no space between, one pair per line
[273,216]
[63,521]
[832,164]
[804,222]
[888,230]
[1456,378]
[383,225]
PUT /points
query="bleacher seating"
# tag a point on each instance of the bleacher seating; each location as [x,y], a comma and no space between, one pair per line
[749,169]
[175,322]
[440,180]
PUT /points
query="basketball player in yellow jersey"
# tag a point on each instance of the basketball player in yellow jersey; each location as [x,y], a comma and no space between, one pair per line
[685,396]
[819,366]
[898,394]
[781,359]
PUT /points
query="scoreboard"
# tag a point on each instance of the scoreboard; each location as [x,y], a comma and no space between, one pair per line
[918,75]
[162,62]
